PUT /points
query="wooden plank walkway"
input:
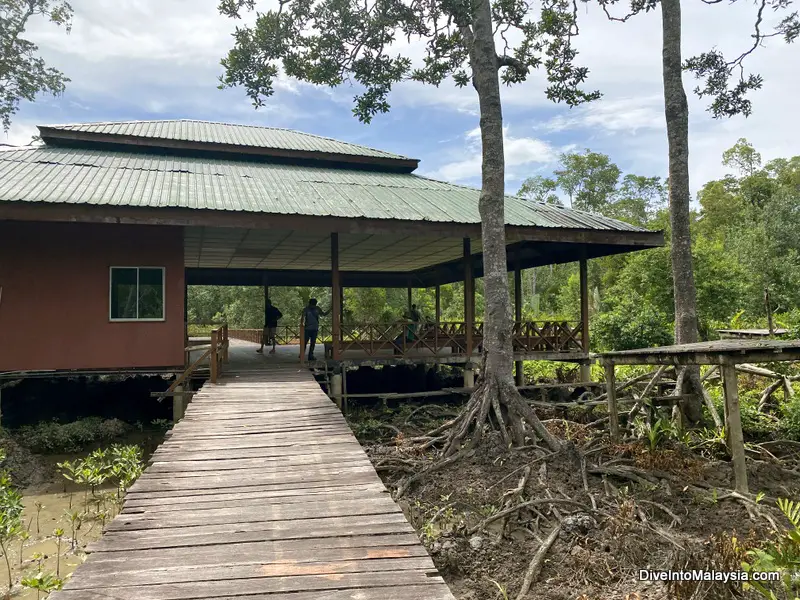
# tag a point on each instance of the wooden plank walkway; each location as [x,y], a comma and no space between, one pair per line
[261,492]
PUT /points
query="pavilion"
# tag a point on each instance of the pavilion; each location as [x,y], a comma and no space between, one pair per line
[104,226]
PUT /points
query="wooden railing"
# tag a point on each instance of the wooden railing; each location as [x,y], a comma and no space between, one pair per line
[528,337]
[285,335]
[216,353]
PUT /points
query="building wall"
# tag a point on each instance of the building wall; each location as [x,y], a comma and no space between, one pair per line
[54,308]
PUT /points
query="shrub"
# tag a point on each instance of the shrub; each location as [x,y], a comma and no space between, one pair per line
[790,423]
[53,437]
[631,325]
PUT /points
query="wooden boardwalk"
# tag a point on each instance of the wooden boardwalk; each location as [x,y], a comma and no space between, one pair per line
[260,492]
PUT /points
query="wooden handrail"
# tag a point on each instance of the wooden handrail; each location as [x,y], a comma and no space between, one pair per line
[214,356]
[189,370]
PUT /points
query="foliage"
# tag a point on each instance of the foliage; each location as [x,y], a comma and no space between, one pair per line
[51,437]
[633,323]
[10,514]
[780,554]
[588,179]
[329,43]
[23,73]
[119,464]
[43,582]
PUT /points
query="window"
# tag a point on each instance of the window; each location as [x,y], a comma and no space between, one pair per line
[137,294]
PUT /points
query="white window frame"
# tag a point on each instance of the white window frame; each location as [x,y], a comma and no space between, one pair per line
[163,294]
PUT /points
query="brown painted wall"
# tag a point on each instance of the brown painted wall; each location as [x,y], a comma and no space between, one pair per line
[54,311]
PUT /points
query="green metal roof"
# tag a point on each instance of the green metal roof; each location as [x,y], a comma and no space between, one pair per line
[55,175]
[224,133]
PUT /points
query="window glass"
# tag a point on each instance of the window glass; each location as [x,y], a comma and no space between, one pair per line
[151,293]
[123,293]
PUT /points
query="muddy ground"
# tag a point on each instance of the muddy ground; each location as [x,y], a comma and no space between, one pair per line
[49,499]
[673,520]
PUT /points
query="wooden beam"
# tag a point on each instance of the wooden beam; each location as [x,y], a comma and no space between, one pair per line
[469,296]
[733,426]
[191,217]
[518,365]
[410,296]
[706,358]
[213,358]
[584,276]
[341,303]
[336,329]
[611,392]
[438,295]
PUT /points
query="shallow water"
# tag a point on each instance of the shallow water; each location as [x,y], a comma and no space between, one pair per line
[57,498]
[41,524]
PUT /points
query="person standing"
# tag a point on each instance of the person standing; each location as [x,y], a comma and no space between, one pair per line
[311,315]
[271,317]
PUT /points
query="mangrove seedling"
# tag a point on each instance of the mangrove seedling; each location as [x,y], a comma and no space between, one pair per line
[59,533]
[10,517]
[43,582]
[24,537]
[74,517]
[39,506]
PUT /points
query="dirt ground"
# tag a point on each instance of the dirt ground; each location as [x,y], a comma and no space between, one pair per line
[614,526]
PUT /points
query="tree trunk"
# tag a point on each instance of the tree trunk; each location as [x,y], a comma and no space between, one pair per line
[496,392]
[676,110]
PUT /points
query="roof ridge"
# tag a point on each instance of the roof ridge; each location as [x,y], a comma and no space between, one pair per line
[206,122]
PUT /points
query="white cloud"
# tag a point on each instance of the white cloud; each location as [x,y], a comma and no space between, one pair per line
[155,59]
[465,165]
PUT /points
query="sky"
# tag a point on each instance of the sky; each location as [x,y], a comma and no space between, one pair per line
[149,59]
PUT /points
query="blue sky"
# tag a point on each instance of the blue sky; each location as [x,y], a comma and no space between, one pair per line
[145,59]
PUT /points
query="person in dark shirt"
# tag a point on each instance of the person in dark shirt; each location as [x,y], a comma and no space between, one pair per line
[311,315]
[271,316]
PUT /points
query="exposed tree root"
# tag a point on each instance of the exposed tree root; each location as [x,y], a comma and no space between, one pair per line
[535,566]
[521,505]
[510,410]
[495,402]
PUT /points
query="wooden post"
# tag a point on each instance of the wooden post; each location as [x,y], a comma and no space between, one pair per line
[518,366]
[302,341]
[469,376]
[469,296]
[225,343]
[343,398]
[768,306]
[177,404]
[336,329]
[186,355]
[213,359]
[438,294]
[586,370]
[336,389]
[341,305]
[733,425]
[611,391]
[410,297]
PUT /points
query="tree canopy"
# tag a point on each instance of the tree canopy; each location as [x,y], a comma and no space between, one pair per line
[23,73]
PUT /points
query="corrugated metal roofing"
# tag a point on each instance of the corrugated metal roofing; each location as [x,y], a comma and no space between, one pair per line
[101,177]
[227,133]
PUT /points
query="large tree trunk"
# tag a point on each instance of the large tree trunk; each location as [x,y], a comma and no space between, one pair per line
[676,111]
[496,392]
